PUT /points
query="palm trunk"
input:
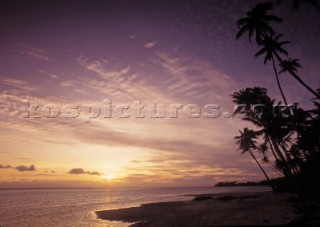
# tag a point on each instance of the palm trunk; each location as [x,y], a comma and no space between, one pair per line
[277,157]
[303,83]
[272,150]
[278,82]
[294,75]
[265,174]
[293,167]
[285,167]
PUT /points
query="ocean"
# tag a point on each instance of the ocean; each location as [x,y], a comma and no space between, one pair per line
[76,207]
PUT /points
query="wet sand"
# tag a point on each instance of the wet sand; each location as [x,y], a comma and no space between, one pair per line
[252,209]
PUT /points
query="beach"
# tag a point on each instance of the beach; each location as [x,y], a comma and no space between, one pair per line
[261,208]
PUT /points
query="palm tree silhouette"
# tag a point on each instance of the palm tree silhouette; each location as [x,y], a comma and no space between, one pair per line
[290,64]
[247,143]
[257,21]
[271,48]
[273,128]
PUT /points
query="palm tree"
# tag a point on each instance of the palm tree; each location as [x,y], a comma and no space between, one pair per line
[290,64]
[271,47]
[273,128]
[257,21]
[247,97]
[247,144]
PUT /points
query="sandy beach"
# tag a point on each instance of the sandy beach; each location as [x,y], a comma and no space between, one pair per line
[212,210]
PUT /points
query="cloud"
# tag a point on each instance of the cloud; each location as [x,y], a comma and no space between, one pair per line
[23,168]
[21,84]
[81,171]
[120,82]
[5,166]
[54,76]
[33,52]
[194,78]
[149,45]
[68,83]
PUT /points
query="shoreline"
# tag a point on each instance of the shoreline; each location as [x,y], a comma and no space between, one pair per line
[253,208]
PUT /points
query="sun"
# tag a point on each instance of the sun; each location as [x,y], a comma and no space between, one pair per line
[108,177]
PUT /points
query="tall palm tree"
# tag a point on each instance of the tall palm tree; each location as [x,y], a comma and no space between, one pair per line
[257,21]
[247,144]
[272,46]
[290,65]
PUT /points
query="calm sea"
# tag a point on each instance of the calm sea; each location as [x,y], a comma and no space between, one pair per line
[75,207]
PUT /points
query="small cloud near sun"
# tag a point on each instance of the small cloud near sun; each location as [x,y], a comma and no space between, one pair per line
[81,171]
[23,168]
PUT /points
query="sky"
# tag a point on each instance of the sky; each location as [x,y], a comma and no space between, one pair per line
[135,93]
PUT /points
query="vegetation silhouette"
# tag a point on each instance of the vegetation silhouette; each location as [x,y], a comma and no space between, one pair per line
[287,137]
[258,21]
[272,47]
[293,140]
[247,144]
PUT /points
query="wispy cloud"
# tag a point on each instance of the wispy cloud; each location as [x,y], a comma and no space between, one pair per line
[120,82]
[5,166]
[194,77]
[33,52]
[22,85]
[149,45]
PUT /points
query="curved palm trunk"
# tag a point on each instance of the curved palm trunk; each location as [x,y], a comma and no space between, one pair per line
[293,167]
[278,81]
[265,174]
[278,155]
[303,83]
[285,167]
[272,150]
[294,75]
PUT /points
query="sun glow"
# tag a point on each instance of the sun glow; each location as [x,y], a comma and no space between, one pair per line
[108,177]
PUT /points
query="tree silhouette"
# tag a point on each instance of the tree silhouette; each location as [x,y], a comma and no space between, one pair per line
[256,107]
[292,135]
[272,46]
[290,64]
[247,143]
[257,21]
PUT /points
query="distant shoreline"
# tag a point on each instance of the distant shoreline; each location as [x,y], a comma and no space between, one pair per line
[259,208]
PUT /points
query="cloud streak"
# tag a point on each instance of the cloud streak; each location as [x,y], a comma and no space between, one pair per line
[33,52]
[149,45]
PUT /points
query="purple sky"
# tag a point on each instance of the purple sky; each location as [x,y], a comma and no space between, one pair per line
[172,52]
